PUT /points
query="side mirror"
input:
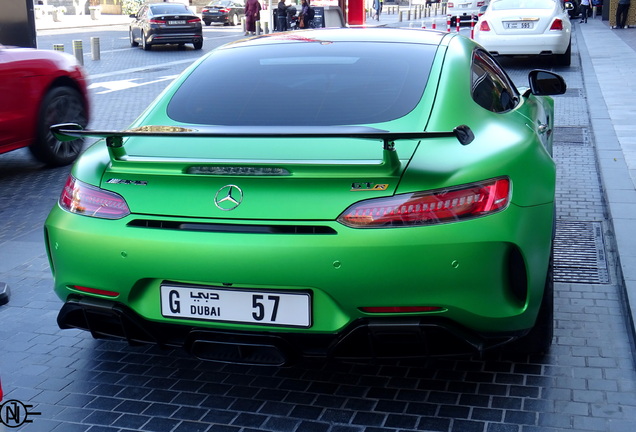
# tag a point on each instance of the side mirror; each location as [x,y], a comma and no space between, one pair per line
[132,16]
[569,6]
[546,83]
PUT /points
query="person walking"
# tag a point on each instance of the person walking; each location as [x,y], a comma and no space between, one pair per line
[377,7]
[252,14]
[621,13]
[585,7]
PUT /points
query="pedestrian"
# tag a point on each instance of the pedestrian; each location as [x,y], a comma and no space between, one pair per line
[281,16]
[585,6]
[621,13]
[305,16]
[377,7]
[252,14]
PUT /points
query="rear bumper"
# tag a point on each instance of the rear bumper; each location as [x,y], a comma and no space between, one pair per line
[216,18]
[174,38]
[544,44]
[390,338]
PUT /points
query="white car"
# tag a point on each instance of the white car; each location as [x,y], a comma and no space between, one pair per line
[464,9]
[526,28]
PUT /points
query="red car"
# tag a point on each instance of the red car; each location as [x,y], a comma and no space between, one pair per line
[40,88]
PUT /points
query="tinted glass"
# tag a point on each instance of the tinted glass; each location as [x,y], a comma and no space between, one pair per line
[522,4]
[169,9]
[309,83]
[491,87]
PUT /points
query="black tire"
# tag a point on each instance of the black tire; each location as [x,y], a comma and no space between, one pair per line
[144,43]
[565,59]
[133,42]
[60,105]
[539,339]
[198,44]
[207,22]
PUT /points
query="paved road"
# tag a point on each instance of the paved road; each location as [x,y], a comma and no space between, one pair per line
[586,383]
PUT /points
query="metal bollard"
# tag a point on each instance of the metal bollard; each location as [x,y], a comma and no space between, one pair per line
[58,47]
[78,51]
[95,54]
[266,27]
[400,16]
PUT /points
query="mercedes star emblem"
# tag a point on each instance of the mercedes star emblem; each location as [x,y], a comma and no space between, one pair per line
[228,197]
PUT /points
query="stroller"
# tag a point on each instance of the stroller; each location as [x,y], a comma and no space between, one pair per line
[292,18]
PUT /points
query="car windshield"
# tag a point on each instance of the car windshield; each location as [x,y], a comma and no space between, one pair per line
[312,83]
[220,3]
[522,4]
[162,9]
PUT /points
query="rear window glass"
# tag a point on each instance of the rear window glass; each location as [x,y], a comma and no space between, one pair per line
[312,84]
[169,9]
[523,4]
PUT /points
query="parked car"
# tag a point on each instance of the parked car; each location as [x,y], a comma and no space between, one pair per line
[464,9]
[165,23]
[366,221]
[40,88]
[225,12]
[537,27]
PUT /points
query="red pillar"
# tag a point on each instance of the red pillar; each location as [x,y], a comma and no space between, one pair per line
[355,15]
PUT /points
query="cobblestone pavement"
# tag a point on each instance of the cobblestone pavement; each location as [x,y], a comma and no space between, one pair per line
[586,383]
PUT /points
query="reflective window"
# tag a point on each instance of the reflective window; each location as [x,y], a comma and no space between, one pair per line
[311,83]
[491,86]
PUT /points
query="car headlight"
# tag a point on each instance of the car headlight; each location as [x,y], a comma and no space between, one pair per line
[430,207]
[81,198]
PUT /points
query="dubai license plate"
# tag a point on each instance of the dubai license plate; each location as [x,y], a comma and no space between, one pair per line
[176,22]
[512,25]
[226,305]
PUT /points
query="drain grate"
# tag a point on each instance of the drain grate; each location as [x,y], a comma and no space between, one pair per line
[579,253]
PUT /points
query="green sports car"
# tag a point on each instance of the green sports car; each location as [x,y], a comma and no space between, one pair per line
[364,193]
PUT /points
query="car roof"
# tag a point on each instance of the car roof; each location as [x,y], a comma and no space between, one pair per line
[355,34]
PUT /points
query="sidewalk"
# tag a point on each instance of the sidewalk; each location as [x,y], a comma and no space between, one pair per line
[78,21]
[609,57]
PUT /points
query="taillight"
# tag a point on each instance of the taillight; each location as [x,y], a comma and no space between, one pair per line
[484,26]
[205,10]
[400,309]
[557,24]
[194,20]
[450,5]
[97,291]
[224,10]
[430,207]
[80,198]
[480,3]
[156,21]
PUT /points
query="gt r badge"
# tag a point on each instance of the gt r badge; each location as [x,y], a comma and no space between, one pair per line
[228,197]
[367,186]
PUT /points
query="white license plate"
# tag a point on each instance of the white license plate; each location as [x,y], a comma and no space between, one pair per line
[177,22]
[512,25]
[252,307]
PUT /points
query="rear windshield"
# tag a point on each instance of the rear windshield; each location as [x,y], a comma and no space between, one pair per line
[307,83]
[522,4]
[162,9]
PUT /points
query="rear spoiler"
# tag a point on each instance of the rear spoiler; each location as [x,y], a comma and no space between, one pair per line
[115,139]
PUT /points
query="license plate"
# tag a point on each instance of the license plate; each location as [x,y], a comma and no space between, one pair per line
[512,25]
[176,22]
[252,307]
